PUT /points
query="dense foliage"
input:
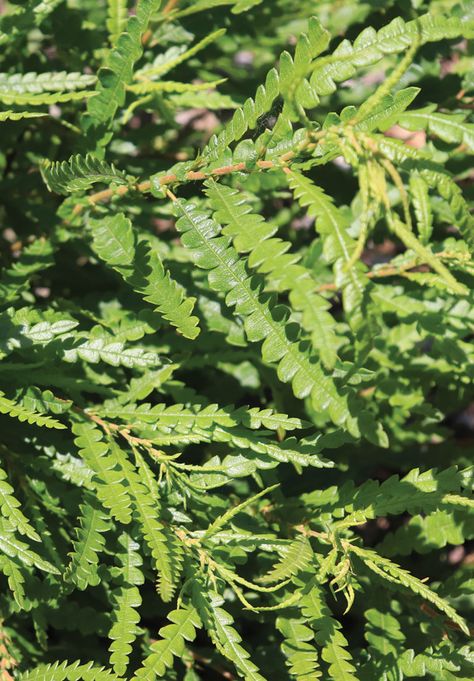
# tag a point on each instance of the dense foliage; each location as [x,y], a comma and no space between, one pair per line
[236,323]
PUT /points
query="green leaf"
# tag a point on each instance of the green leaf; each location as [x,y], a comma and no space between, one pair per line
[116,243]
[36,257]
[393,573]
[371,46]
[427,256]
[82,570]
[172,642]
[19,115]
[147,509]
[10,508]
[451,127]
[124,629]
[15,548]
[108,351]
[422,206]
[269,255]
[226,517]
[245,118]
[218,623]
[298,648]
[116,18]
[117,73]
[328,635]
[79,174]
[295,557]
[108,478]
[162,65]
[63,671]
[263,320]
[19,412]
[35,83]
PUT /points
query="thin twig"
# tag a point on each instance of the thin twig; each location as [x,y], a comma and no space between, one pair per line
[393,270]
[124,431]
[171,178]
[170,6]
[192,175]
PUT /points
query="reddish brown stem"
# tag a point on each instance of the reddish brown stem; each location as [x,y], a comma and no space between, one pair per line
[108,194]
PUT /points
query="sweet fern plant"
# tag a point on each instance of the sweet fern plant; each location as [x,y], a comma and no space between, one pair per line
[236,340]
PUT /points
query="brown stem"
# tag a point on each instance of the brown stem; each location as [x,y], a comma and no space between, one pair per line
[170,5]
[392,270]
[171,178]
[108,194]
[124,431]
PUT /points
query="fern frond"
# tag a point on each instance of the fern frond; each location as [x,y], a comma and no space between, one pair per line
[108,479]
[387,113]
[184,622]
[163,65]
[222,520]
[146,87]
[460,209]
[393,573]
[15,579]
[116,244]
[105,349]
[129,561]
[451,128]
[340,249]
[63,671]
[417,491]
[263,320]
[422,534]
[26,330]
[328,635]
[385,642]
[118,72]
[167,583]
[269,255]
[117,14]
[371,46]
[164,425]
[426,255]
[35,83]
[295,557]
[218,623]
[14,548]
[44,98]
[36,257]
[124,629]
[82,570]
[19,412]
[80,173]
[44,400]
[245,118]
[297,646]
[296,91]
[331,223]
[183,418]
[19,115]
[432,662]
[300,454]
[422,206]
[10,509]
[202,100]
[127,599]
[147,510]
